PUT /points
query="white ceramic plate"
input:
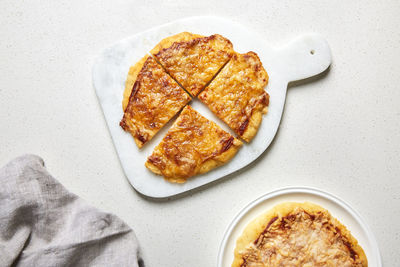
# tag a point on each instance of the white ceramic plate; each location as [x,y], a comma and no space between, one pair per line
[337,207]
[306,56]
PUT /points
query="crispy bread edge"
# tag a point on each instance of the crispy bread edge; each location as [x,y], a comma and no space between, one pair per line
[131,79]
[205,166]
[254,123]
[168,41]
[222,158]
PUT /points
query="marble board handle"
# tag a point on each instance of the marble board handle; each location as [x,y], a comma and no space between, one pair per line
[304,57]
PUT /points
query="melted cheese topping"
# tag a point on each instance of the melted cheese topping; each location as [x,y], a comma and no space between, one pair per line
[237,95]
[301,239]
[194,63]
[193,145]
[154,100]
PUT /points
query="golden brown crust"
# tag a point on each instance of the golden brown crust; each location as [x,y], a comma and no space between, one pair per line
[193,145]
[237,96]
[154,100]
[195,62]
[168,41]
[131,79]
[275,239]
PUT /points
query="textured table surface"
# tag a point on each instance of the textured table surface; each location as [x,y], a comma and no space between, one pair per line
[340,132]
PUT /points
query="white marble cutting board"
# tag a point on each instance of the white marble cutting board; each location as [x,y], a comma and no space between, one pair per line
[304,57]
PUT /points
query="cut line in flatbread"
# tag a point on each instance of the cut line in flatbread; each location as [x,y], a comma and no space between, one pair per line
[194,63]
[135,69]
[237,94]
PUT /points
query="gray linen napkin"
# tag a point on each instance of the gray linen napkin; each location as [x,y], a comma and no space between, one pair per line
[42,224]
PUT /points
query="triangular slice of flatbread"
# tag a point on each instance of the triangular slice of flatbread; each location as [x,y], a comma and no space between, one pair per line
[154,100]
[193,145]
[237,94]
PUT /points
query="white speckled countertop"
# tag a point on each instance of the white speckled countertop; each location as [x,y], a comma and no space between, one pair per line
[340,133]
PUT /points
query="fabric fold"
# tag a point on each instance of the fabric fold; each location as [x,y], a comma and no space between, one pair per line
[43,224]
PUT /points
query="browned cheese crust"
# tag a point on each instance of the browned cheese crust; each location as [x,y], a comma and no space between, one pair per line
[193,145]
[195,62]
[237,95]
[154,100]
[297,234]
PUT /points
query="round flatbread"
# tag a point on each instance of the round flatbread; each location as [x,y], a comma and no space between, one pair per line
[297,234]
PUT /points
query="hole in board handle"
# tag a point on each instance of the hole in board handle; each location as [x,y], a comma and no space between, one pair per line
[312,52]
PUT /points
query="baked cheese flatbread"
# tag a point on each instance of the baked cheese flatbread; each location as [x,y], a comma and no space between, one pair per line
[237,95]
[193,145]
[154,100]
[297,234]
[195,62]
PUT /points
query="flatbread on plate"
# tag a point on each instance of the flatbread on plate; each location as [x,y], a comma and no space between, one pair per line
[297,234]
